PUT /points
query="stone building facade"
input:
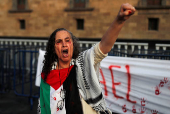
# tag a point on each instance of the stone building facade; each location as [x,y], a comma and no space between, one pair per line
[87,19]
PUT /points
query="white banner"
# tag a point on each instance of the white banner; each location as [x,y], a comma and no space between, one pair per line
[133,85]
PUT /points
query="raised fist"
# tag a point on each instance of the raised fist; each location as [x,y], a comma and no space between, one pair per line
[126,10]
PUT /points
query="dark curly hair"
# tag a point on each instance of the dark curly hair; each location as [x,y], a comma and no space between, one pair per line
[50,55]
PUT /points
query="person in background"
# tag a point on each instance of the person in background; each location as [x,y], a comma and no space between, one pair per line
[69,79]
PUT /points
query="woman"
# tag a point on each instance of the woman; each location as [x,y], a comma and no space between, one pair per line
[70,82]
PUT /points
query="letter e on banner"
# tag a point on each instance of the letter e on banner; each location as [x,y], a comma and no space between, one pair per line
[113,83]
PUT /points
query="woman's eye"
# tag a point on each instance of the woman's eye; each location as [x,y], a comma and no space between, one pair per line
[67,40]
[57,42]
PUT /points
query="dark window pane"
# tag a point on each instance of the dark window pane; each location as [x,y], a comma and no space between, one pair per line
[79,3]
[76,1]
[80,24]
[154,2]
[22,24]
[149,2]
[157,2]
[153,24]
[21,4]
[21,1]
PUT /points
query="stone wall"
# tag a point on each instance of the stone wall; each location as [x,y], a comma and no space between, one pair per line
[44,16]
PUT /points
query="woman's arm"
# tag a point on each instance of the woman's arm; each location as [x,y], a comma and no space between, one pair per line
[112,33]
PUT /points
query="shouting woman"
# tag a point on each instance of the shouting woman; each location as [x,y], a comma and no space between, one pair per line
[70,83]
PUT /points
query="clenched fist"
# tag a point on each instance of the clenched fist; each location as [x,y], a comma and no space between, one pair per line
[126,10]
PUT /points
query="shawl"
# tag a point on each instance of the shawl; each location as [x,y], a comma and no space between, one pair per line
[88,80]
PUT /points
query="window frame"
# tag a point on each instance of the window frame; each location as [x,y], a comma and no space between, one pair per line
[79,3]
[22,23]
[142,5]
[21,5]
[154,2]
[80,26]
[15,8]
[72,6]
[151,23]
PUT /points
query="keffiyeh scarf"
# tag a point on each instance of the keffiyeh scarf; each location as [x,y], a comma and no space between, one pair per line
[88,80]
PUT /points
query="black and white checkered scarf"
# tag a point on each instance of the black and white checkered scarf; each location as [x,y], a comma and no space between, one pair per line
[88,80]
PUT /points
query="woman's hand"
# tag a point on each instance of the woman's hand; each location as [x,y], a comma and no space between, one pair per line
[126,10]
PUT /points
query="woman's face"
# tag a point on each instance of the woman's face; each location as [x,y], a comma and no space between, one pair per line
[63,46]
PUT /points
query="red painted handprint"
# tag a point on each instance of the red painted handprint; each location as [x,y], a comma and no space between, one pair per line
[142,110]
[143,102]
[169,86]
[161,84]
[166,80]
[157,91]
[133,109]
[154,111]
[124,108]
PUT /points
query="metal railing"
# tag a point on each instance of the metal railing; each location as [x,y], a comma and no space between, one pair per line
[18,70]
[5,71]
[83,44]
[25,74]
[148,54]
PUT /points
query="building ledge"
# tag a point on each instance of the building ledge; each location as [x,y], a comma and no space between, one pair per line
[151,7]
[20,11]
[79,9]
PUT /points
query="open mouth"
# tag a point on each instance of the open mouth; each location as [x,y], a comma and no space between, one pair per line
[65,52]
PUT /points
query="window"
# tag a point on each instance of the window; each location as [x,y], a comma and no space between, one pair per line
[153,24]
[22,24]
[154,2]
[21,4]
[79,3]
[80,24]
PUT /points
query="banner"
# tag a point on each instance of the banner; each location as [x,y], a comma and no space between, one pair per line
[134,85]
[39,67]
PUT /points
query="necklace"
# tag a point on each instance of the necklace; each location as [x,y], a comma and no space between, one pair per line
[60,103]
